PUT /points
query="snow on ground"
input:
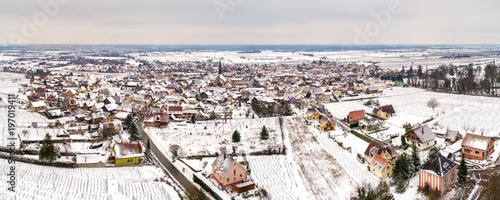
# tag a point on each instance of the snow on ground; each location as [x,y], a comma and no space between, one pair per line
[411,192]
[44,182]
[275,174]
[323,164]
[195,139]
[340,110]
[456,112]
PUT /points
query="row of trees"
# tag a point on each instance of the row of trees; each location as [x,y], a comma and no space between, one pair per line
[281,108]
[463,79]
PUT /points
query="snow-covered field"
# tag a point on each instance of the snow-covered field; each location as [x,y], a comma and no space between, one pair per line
[456,112]
[44,182]
[195,139]
[323,164]
[276,175]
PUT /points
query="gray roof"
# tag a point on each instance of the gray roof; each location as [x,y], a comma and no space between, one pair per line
[438,164]
[224,161]
[424,133]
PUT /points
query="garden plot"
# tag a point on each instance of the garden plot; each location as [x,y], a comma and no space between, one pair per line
[208,137]
[322,171]
[355,170]
[274,174]
[44,182]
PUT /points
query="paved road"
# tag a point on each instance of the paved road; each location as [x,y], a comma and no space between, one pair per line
[177,175]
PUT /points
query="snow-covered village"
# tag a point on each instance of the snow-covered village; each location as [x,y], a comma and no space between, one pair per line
[249,100]
[140,126]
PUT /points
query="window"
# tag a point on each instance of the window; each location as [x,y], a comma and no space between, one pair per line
[477,152]
[227,179]
[241,175]
[467,150]
[445,179]
[234,172]
[483,154]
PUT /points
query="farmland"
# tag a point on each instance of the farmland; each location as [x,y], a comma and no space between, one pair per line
[43,182]
[276,175]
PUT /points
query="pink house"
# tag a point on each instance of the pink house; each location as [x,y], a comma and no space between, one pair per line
[227,172]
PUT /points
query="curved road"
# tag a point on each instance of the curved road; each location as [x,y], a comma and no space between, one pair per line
[177,175]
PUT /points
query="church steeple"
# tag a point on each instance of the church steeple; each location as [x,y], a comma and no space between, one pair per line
[220,66]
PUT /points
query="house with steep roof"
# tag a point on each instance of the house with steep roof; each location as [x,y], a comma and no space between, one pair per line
[314,113]
[384,111]
[477,147]
[381,167]
[438,172]
[227,172]
[355,116]
[327,123]
[422,137]
[388,151]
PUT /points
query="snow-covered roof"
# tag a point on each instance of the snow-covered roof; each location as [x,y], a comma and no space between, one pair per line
[424,133]
[476,141]
[128,150]
[87,158]
[37,104]
[438,164]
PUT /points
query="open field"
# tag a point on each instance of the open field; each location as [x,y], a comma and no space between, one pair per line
[43,182]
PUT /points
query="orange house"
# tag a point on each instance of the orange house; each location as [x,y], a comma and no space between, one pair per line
[227,172]
[355,116]
[477,147]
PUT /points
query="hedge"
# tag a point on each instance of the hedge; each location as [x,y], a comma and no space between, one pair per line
[206,188]
[361,136]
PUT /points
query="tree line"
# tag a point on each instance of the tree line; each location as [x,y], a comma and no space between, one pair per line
[461,79]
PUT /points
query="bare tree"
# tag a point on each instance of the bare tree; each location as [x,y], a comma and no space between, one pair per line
[433,103]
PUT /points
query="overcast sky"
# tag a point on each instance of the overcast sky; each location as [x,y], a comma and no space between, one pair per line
[250,22]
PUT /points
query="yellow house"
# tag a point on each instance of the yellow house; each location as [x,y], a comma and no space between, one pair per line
[311,103]
[387,152]
[326,124]
[313,114]
[127,153]
[381,167]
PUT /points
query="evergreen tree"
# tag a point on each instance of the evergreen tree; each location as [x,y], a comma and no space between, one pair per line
[415,158]
[403,141]
[88,95]
[264,135]
[462,172]
[308,94]
[236,136]
[134,132]
[128,121]
[433,151]
[401,172]
[193,118]
[47,150]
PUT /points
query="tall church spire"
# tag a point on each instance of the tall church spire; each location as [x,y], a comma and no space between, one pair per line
[220,66]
